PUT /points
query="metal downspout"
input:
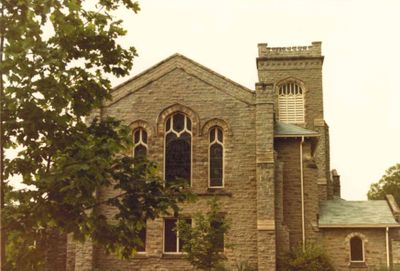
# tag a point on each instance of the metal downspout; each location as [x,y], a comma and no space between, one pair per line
[387,249]
[303,227]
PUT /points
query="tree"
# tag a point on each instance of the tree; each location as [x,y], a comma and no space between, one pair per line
[312,258]
[388,184]
[204,240]
[54,62]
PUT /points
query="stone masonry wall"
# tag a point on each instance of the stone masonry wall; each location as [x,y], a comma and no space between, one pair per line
[311,202]
[202,101]
[336,244]
[289,154]
[56,251]
[322,158]
[282,232]
[275,67]
[304,65]
[265,175]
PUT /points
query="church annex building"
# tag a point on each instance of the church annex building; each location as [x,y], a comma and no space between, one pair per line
[263,152]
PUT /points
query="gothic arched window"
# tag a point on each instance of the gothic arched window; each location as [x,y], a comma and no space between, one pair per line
[178,148]
[216,158]
[356,249]
[291,103]
[140,143]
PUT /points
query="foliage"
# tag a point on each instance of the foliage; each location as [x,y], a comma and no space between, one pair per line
[312,258]
[245,266]
[384,268]
[57,56]
[388,184]
[203,241]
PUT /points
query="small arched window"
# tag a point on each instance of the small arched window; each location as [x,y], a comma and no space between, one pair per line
[178,148]
[356,249]
[216,157]
[291,103]
[140,143]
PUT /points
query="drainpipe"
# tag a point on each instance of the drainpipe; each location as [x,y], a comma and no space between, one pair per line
[387,248]
[302,195]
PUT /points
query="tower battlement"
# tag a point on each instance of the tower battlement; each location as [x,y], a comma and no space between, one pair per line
[314,50]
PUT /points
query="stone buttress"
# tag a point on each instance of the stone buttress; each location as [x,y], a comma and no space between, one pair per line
[265,175]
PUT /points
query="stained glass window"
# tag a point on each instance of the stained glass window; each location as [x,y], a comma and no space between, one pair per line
[178,148]
[216,152]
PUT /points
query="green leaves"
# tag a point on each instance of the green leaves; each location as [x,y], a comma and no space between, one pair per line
[388,184]
[55,75]
[65,196]
[312,258]
[204,240]
[57,60]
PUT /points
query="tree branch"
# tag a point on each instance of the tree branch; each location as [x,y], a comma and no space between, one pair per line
[2,184]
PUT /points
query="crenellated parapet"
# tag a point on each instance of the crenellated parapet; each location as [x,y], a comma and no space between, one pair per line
[314,50]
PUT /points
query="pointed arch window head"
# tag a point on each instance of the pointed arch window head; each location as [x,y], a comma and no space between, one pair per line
[356,249]
[216,157]
[140,143]
[291,103]
[178,148]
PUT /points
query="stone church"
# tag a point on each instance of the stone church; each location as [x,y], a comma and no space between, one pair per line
[262,152]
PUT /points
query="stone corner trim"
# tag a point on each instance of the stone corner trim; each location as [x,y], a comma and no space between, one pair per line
[265,225]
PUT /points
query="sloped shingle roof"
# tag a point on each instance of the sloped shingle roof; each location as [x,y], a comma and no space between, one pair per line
[342,213]
[291,130]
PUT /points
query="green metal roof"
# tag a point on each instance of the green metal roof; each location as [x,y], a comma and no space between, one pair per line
[342,213]
[291,130]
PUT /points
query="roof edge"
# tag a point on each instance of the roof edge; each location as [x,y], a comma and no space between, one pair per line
[134,77]
[332,226]
[187,59]
[283,130]
[299,135]
[215,73]
[394,207]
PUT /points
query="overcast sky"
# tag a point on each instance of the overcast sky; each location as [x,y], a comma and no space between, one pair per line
[360,42]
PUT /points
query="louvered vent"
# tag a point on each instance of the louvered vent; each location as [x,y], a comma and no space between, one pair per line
[291,103]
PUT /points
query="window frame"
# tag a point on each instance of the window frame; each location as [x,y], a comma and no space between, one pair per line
[216,141]
[297,86]
[170,117]
[362,249]
[177,252]
[222,249]
[141,142]
[144,251]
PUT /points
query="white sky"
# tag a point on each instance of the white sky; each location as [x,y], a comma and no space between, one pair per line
[360,41]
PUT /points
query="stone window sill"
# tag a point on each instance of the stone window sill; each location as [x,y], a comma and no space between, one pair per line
[357,265]
[141,254]
[173,255]
[215,191]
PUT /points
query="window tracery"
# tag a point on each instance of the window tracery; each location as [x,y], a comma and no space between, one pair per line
[140,143]
[178,148]
[216,153]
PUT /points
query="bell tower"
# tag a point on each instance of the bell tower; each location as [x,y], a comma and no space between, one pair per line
[296,74]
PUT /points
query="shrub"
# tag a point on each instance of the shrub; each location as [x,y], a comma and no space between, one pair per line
[203,241]
[245,266]
[312,258]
